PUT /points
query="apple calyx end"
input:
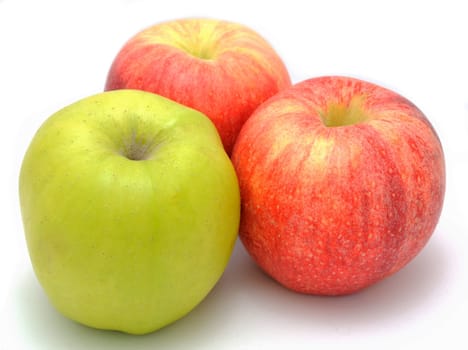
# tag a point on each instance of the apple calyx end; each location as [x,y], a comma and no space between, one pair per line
[201,51]
[345,113]
[137,149]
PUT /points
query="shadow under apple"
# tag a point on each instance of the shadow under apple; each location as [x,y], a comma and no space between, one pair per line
[239,303]
[394,298]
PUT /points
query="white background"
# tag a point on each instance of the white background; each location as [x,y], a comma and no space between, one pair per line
[52,54]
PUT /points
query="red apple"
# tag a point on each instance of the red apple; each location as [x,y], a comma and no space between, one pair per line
[342,184]
[223,69]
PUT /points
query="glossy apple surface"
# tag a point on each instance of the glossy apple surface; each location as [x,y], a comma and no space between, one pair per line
[130,208]
[342,184]
[223,69]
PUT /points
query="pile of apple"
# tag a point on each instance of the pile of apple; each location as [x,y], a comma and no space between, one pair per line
[132,199]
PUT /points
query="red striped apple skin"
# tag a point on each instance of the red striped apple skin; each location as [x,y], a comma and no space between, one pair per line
[331,210]
[223,69]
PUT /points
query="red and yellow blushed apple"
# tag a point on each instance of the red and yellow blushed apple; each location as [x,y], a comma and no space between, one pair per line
[223,69]
[342,184]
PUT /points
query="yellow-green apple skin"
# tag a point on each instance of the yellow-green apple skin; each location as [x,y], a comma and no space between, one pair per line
[130,208]
[221,68]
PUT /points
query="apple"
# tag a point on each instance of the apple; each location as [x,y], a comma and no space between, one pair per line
[130,208]
[342,184]
[223,69]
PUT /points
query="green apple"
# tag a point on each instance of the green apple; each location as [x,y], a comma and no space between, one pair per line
[130,208]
